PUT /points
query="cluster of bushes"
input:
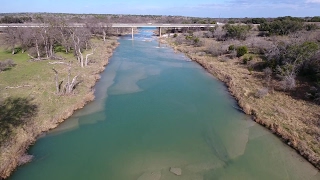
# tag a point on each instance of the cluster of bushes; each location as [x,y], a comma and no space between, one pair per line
[237,31]
[291,60]
[231,50]
[238,51]
[314,94]
[311,27]
[189,39]
[282,26]
[11,19]
[315,19]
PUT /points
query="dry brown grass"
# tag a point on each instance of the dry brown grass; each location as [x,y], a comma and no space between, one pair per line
[296,121]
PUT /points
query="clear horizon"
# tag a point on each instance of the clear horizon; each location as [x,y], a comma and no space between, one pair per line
[200,8]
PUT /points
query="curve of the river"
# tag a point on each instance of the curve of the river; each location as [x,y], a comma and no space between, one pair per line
[156,110]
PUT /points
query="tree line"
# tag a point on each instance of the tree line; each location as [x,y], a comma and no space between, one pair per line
[12,19]
[43,43]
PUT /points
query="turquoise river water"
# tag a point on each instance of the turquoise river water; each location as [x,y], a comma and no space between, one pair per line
[155,109]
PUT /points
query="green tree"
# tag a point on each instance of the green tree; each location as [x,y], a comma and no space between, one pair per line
[237,31]
[282,26]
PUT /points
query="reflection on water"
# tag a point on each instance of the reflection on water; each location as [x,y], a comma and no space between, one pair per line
[154,109]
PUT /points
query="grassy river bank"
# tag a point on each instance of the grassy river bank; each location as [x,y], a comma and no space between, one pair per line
[30,105]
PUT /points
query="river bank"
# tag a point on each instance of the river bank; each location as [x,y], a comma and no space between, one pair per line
[291,119]
[52,109]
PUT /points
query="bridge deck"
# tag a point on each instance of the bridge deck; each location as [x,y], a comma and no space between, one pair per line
[115,25]
[119,25]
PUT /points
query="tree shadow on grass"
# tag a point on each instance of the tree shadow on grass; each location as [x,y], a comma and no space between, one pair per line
[15,112]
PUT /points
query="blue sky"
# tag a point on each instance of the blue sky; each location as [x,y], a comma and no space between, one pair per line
[196,8]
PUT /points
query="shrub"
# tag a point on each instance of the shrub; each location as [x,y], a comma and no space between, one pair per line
[245,60]
[267,74]
[175,35]
[198,34]
[7,64]
[189,37]
[314,94]
[242,50]
[288,82]
[59,49]
[250,69]
[179,40]
[208,34]
[262,92]
[197,42]
[223,59]
[231,47]
[233,54]
[215,50]
[311,27]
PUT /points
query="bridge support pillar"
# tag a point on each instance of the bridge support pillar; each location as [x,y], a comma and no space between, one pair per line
[159,31]
[132,32]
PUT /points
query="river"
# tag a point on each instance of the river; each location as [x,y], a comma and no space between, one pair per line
[155,109]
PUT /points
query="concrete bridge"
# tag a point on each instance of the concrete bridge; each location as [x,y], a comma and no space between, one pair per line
[114,25]
[157,25]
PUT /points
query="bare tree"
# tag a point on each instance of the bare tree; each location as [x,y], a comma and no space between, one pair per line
[36,39]
[89,54]
[62,33]
[179,39]
[23,38]
[289,81]
[56,78]
[80,38]
[267,74]
[216,49]
[11,38]
[69,86]
[219,34]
